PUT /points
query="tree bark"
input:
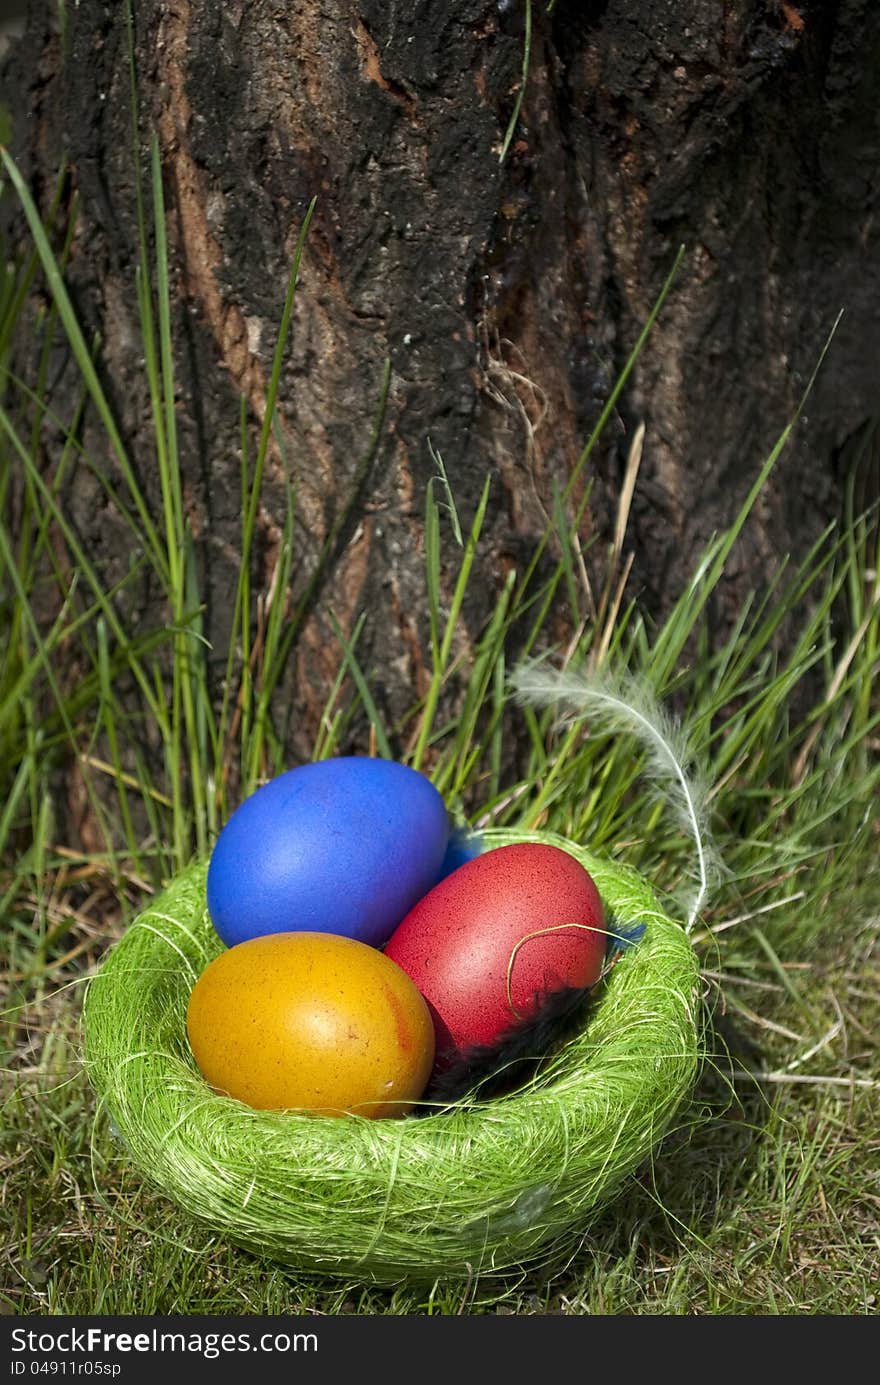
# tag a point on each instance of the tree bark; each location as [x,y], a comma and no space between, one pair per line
[507,296]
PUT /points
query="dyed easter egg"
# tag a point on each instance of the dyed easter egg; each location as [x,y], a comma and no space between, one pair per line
[498,935]
[311,1021]
[343,846]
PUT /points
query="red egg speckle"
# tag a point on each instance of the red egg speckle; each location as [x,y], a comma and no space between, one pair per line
[495,936]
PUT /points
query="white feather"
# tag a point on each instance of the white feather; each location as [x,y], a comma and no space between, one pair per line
[629,705]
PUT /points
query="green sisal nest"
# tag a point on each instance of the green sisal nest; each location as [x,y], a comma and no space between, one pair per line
[483,1186]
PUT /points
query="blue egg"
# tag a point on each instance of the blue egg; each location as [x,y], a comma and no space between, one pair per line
[344,846]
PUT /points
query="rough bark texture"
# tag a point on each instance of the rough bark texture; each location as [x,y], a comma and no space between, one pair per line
[507,297]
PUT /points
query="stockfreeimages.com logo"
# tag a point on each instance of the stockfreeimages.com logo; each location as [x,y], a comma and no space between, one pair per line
[91,1341]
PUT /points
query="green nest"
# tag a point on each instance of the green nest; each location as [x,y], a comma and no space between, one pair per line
[481,1187]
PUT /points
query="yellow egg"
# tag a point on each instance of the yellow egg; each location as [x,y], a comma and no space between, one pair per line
[312,1021]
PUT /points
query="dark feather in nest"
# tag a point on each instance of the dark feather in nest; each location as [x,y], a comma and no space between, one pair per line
[499,1067]
[490,1070]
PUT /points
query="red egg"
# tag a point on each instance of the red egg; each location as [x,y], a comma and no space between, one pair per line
[498,935]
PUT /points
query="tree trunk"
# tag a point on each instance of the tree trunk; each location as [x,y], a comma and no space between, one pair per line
[506,295]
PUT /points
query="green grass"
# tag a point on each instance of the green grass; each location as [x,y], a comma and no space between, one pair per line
[772,1206]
